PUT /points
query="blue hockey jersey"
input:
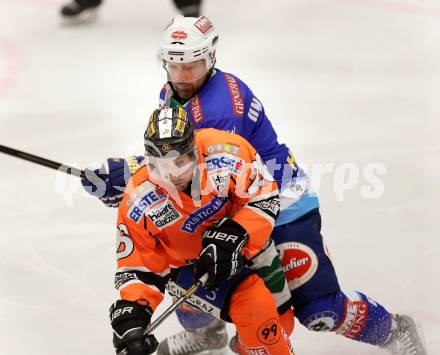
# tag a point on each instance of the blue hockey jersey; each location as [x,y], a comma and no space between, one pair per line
[226,103]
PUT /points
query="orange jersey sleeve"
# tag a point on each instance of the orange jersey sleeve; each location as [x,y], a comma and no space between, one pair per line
[142,263]
[234,168]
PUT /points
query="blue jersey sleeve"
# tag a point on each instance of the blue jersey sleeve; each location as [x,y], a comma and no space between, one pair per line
[261,134]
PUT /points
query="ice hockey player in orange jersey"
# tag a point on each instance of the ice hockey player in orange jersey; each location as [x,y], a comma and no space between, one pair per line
[201,203]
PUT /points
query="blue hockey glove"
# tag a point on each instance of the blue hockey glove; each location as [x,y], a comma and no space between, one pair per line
[109,181]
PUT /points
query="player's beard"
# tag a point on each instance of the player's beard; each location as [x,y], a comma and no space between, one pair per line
[186,90]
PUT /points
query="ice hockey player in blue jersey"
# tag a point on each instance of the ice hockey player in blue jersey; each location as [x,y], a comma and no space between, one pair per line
[221,100]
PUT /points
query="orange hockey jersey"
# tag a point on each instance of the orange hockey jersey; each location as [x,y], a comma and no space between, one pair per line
[159,230]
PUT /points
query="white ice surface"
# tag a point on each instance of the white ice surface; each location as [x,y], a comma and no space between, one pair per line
[343,81]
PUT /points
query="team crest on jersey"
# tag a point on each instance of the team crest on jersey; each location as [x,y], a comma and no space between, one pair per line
[148,199]
[322,321]
[225,161]
[202,214]
[164,215]
[299,187]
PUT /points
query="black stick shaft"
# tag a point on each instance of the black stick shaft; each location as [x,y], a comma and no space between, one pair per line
[42,161]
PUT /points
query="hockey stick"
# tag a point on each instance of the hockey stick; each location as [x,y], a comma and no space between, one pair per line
[42,161]
[193,289]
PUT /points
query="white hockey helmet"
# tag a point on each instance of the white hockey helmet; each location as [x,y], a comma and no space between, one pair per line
[189,39]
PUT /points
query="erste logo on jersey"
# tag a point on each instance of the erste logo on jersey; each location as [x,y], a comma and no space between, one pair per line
[225,161]
[299,263]
[148,199]
[234,90]
[164,215]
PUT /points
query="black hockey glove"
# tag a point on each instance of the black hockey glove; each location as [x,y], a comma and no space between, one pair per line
[221,253]
[129,320]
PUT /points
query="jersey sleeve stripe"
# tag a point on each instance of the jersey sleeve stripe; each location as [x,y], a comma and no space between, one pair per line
[271,194]
[164,273]
[122,279]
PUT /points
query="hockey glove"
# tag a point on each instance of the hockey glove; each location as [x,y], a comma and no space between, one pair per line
[221,253]
[129,320]
[109,181]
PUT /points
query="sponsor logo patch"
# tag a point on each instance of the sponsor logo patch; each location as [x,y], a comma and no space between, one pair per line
[234,90]
[164,215]
[177,291]
[203,214]
[221,161]
[140,190]
[254,351]
[273,276]
[148,199]
[179,35]
[227,148]
[196,109]
[203,24]
[220,180]
[356,313]
[299,263]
